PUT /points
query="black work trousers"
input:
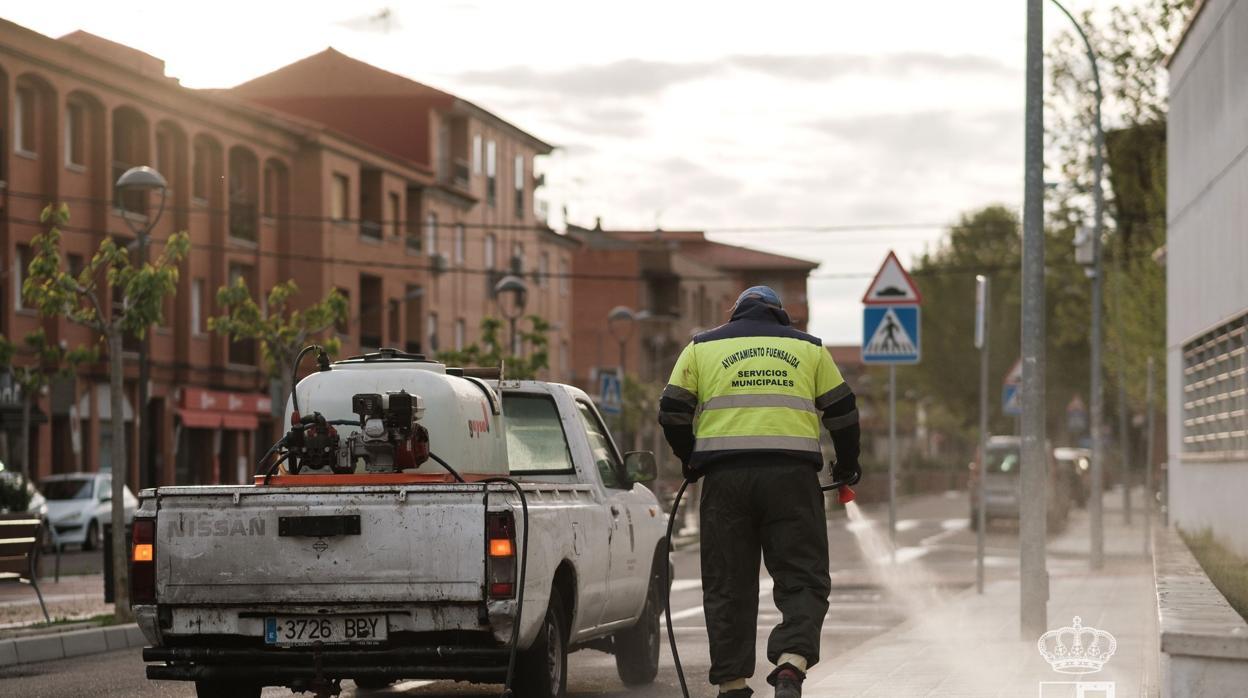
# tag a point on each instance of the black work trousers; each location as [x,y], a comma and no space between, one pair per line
[776,510]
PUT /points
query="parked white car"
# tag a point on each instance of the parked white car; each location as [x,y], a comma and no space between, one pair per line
[79,504]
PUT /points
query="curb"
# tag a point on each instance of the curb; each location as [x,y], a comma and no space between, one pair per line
[75,643]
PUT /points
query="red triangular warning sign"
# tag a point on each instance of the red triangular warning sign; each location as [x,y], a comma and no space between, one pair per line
[892,285]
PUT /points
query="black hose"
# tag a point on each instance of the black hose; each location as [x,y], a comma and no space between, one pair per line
[260,463]
[273,468]
[456,475]
[294,373]
[524,562]
[667,606]
[524,565]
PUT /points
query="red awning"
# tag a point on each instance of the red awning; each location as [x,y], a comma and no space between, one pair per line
[240,421]
[207,419]
[200,419]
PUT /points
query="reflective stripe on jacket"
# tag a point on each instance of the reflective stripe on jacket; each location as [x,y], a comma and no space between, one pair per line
[755,385]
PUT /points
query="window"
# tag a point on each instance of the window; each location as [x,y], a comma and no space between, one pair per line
[1215,393]
[343,325]
[543,269]
[460,328]
[517,258]
[22,269]
[243,352]
[393,318]
[393,213]
[413,297]
[600,446]
[24,120]
[74,264]
[459,243]
[431,331]
[476,154]
[491,173]
[197,307]
[74,133]
[564,360]
[338,198]
[202,171]
[431,233]
[369,312]
[519,185]
[536,442]
[565,282]
[490,257]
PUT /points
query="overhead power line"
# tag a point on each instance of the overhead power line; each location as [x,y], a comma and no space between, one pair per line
[428,267]
[417,226]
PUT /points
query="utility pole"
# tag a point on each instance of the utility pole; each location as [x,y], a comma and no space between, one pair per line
[1034,592]
[982,289]
[1148,465]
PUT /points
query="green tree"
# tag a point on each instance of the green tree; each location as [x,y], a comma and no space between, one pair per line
[1132,40]
[50,361]
[490,350]
[280,330]
[114,298]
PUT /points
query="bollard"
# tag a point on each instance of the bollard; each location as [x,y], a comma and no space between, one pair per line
[109,595]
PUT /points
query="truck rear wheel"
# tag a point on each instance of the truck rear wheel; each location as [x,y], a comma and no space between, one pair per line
[226,689]
[542,669]
[637,649]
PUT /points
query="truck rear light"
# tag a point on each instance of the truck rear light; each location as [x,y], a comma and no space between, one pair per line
[500,564]
[143,561]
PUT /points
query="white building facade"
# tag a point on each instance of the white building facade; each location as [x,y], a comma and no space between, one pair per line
[1207,275]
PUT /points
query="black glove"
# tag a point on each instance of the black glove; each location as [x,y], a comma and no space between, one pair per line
[690,474]
[846,473]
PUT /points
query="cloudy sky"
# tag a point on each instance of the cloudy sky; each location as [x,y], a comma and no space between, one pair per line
[726,116]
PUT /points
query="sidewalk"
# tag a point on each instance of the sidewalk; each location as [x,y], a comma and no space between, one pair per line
[75,597]
[970,646]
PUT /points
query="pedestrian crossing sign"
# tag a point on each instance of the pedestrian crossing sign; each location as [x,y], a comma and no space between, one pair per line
[890,334]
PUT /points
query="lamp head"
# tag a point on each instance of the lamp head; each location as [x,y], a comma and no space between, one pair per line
[141,178]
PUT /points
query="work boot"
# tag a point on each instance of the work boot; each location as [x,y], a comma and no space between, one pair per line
[788,681]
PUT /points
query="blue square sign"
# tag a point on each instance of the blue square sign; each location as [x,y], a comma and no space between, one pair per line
[890,334]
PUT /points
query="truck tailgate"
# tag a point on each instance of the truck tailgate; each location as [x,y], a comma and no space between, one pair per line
[373,544]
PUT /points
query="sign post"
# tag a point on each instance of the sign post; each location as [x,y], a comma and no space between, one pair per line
[610,400]
[982,286]
[891,330]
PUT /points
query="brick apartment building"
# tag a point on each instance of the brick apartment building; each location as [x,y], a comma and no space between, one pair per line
[475,221]
[677,282]
[270,186]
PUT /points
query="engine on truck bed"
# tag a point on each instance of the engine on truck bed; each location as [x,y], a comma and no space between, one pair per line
[401,407]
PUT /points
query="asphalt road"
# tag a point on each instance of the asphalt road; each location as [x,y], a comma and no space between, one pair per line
[933,542]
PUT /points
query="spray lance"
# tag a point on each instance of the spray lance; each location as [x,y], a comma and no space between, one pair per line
[844,494]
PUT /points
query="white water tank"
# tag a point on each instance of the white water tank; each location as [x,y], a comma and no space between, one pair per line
[463,415]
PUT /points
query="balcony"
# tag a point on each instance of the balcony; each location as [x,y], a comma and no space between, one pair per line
[459,173]
[371,230]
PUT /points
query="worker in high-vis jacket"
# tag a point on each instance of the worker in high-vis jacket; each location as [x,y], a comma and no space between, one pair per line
[743,411]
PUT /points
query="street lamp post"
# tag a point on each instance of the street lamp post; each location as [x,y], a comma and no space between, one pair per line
[622,321]
[518,289]
[143,179]
[1095,514]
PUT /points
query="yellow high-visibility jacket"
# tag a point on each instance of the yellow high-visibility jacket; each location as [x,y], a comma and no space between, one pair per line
[756,388]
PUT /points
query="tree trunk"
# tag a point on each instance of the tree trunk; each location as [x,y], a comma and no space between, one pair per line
[121,547]
[24,439]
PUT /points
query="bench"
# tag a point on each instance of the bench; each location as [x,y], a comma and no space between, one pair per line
[1204,642]
[20,537]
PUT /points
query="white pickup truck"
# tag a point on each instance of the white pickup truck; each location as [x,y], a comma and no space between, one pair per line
[311,578]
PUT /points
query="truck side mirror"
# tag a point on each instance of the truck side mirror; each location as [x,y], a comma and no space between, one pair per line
[641,466]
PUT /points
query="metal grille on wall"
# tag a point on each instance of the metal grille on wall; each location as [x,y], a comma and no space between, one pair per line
[1215,393]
